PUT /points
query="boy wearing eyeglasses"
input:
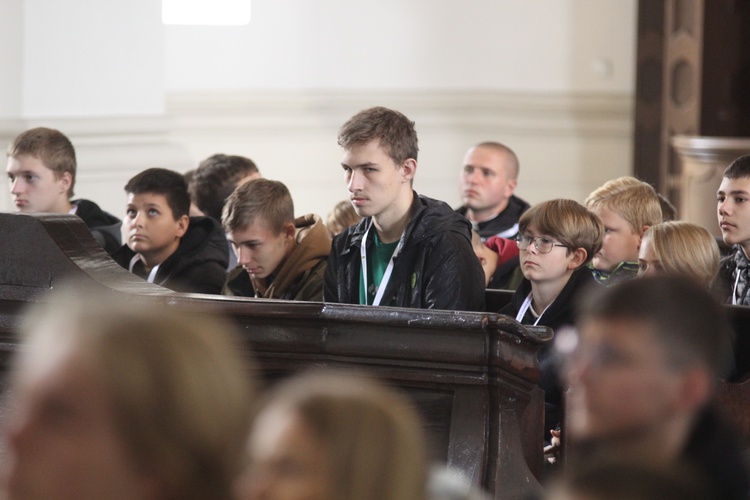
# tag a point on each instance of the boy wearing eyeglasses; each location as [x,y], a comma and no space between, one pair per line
[627,207]
[556,240]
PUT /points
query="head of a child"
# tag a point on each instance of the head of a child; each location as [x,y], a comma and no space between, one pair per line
[259,221]
[487,257]
[215,179]
[679,247]
[341,217]
[646,360]
[343,436]
[156,214]
[557,237]
[124,399]
[42,171]
[626,207]
[380,159]
[733,200]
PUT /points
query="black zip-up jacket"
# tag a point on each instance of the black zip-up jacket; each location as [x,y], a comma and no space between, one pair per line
[560,313]
[436,269]
[197,266]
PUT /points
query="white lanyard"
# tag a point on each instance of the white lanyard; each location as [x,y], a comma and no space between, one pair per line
[388,270]
[734,290]
[525,307]
[151,275]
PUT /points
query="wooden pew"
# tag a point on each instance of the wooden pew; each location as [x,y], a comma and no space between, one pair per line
[472,375]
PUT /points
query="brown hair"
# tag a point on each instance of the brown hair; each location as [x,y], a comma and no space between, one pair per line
[633,200]
[394,131]
[567,221]
[739,168]
[341,217]
[259,199]
[372,435]
[215,179]
[52,147]
[178,385]
[686,249]
[685,319]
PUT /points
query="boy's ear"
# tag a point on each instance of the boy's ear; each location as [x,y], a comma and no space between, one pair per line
[409,169]
[579,257]
[640,236]
[289,230]
[696,389]
[182,225]
[66,180]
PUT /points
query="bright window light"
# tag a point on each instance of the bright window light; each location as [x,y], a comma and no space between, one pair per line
[206,12]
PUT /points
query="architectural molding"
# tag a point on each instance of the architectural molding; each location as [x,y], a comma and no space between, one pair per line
[594,114]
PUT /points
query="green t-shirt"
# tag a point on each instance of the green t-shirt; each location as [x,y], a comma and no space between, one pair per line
[378,256]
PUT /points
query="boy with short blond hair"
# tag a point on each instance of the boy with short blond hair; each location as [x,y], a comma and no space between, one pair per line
[733,208]
[626,207]
[42,173]
[162,244]
[279,256]
[556,240]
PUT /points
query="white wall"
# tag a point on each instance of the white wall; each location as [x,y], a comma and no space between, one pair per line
[84,58]
[539,45]
[551,78]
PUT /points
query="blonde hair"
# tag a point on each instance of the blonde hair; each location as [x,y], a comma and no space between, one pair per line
[685,248]
[179,389]
[633,200]
[567,221]
[341,217]
[372,435]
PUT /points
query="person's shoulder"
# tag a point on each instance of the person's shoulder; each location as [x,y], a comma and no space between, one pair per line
[204,241]
[92,214]
[518,204]
[350,237]
[433,216]
[238,284]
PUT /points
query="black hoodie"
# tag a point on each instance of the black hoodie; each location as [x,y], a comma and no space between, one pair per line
[104,226]
[436,269]
[197,266]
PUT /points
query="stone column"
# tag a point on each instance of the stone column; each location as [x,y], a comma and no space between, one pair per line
[703,160]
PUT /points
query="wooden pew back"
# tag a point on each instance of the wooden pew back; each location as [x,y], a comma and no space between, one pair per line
[473,376]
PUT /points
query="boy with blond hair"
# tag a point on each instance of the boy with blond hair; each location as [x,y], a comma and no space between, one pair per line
[626,207]
[42,174]
[279,256]
[556,240]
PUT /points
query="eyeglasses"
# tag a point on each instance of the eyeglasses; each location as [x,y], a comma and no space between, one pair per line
[543,244]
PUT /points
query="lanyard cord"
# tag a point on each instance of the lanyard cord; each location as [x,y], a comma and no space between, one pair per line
[388,271]
[525,307]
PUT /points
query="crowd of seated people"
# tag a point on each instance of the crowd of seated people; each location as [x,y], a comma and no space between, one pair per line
[390,246]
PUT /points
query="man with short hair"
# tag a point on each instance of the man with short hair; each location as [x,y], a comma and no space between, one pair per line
[408,250]
[42,173]
[642,378]
[489,177]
